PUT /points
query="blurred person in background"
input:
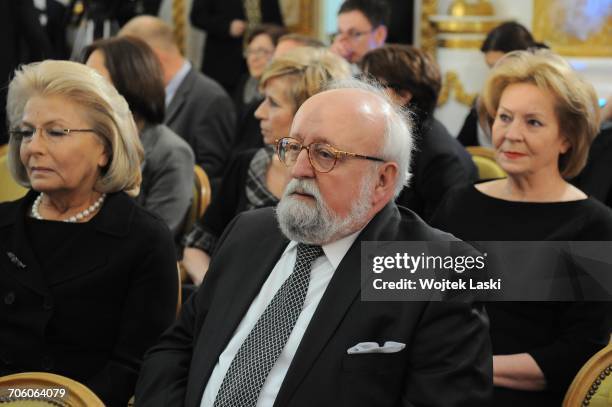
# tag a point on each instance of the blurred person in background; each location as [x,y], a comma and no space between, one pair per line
[261,44]
[256,178]
[362,26]
[499,41]
[227,23]
[440,162]
[249,133]
[197,108]
[22,40]
[167,174]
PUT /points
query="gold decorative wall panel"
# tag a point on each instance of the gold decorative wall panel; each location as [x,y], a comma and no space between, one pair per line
[428,30]
[301,16]
[574,28]
[452,84]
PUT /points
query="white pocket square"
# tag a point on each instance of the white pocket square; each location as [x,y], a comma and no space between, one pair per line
[374,347]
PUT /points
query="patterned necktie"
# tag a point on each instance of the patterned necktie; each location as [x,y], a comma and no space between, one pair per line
[259,351]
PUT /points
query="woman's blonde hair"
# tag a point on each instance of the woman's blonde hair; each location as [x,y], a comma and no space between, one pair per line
[105,107]
[576,105]
[309,69]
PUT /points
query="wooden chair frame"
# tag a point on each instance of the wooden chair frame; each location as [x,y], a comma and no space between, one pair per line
[589,378]
[76,394]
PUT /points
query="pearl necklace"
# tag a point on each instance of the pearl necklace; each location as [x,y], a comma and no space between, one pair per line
[73,219]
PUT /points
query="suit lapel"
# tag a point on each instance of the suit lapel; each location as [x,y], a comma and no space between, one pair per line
[342,291]
[225,314]
[180,97]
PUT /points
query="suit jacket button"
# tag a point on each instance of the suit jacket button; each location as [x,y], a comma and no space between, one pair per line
[9,298]
[48,303]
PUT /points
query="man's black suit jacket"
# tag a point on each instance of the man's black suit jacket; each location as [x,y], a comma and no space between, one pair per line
[446,362]
[222,59]
[203,114]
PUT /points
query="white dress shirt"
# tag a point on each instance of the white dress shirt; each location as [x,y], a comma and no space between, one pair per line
[176,81]
[321,273]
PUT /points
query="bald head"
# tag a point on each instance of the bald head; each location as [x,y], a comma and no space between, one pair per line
[154,31]
[358,117]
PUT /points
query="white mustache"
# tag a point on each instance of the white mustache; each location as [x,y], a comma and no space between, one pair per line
[303,186]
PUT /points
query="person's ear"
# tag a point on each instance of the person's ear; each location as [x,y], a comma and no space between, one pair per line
[380,35]
[384,190]
[565,145]
[405,96]
[103,159]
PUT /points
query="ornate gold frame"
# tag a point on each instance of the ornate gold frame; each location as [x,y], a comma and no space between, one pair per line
[544,29]
[308,20]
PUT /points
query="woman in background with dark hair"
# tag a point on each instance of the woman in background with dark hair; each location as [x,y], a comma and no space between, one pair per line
[440,162]
[167,175]
[504,38]
[261,44]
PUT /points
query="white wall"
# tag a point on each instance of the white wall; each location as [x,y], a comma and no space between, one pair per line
[329,11]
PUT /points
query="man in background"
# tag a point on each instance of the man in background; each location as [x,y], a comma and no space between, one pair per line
[197,107]
[362,26]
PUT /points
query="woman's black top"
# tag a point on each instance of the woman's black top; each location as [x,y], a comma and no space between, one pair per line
[85,300]
[560,336]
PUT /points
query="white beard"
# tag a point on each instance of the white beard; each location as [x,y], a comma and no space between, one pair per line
[317,224]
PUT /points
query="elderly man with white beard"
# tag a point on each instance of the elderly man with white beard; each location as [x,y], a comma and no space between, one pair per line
[279,310]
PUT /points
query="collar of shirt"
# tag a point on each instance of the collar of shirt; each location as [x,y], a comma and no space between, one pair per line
[176,81]
[334,251]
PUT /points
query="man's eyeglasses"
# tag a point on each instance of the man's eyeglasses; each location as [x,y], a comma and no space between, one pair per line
[26,134]
[351,35]
[257,52]
[322,156]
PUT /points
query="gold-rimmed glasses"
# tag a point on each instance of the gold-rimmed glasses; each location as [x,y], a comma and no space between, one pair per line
[322,156]
[25,134]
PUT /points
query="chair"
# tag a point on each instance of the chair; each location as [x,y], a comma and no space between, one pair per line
[203,186]
[35,389]
[484,159]
[592,386]
[10,190]
[180,288]
[201,199]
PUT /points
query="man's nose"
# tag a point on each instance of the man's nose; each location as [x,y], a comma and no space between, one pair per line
[302,167]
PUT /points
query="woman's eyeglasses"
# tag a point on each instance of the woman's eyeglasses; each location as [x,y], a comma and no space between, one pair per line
[26,134]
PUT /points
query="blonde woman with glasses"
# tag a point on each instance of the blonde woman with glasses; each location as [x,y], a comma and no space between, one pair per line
[88,278]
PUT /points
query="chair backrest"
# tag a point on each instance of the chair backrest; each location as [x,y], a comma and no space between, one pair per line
[592,385]
[199,201]
[484,159]
[179,301]
[203,186]
[9,188]
[45,389]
